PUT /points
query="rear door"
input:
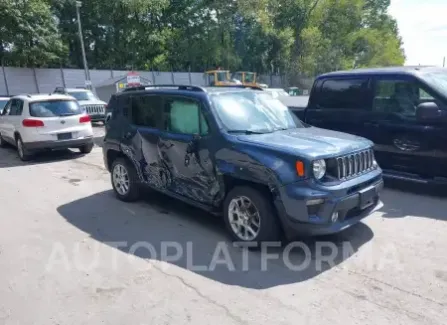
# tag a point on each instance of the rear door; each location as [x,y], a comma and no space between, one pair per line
[402,142]
[63,119]
[340,104]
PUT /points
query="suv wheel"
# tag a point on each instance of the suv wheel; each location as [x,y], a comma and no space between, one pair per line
[21,150]
[85,149]
[125,180]
[250,217]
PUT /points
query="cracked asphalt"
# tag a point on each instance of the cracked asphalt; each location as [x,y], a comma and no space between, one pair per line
[70,253]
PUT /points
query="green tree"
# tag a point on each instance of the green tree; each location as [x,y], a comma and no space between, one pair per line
[29,34]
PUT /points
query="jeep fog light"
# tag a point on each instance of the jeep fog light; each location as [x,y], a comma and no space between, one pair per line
[319,168]
[334,217]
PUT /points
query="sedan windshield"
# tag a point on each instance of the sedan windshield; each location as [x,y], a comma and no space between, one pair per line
[253,112]
[437,80]
[54,108]
[82,95]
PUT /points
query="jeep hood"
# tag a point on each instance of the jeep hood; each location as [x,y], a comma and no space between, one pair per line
[91,102]
[311,142]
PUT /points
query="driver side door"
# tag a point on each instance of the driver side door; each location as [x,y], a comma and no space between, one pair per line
[402,142]
[185,143]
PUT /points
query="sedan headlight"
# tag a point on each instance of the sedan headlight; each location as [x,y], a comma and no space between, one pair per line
[319,168]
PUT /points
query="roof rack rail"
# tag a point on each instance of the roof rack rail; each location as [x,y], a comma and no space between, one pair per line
[179,87]
[237,86]
[81,87]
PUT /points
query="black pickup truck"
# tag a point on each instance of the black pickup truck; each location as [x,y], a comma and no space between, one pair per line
[402,110]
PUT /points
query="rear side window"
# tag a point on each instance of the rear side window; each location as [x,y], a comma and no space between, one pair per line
[147,111]
[343,94]
[16,107]
[52,108]
[184,116]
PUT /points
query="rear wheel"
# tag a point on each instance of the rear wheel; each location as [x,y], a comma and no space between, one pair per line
[86,148]
[24,155]
[125,180]
[250,217]
[2,142]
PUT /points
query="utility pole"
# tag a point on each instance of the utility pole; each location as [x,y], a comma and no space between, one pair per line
[88,82]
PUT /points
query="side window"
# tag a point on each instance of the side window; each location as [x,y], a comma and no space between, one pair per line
[16,107]
[7,108]
[184,116]
[399,96]
[344,94]
[147,110]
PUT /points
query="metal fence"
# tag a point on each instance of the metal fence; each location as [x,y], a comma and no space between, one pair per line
[33,80]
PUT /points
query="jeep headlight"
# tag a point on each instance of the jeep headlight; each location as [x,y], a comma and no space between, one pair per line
[319,168]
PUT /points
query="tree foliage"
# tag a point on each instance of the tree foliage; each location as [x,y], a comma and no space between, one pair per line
[268,36]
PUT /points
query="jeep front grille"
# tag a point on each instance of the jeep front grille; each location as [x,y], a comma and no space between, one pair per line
[94,109]
[355,164]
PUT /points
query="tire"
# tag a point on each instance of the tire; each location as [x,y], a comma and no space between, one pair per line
[85,149]
[133,189]
[268,230]
[23,154]
[2,142]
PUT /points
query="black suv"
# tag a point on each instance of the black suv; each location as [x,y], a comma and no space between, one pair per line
[241,153]
[403,110]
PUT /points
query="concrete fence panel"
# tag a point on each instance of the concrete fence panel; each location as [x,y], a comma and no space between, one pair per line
[48,79]
[21,81]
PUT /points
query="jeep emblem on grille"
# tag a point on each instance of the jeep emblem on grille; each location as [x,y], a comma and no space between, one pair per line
[62,122]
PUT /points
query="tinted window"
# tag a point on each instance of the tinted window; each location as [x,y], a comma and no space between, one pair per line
[344,94]
[147,111]
[16,107]
[53,108]
[399,96]
[182,116]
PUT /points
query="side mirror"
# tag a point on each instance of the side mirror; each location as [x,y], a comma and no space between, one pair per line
[428,111]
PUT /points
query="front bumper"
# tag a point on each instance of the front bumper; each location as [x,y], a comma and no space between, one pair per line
[60,144]
[307,208]
[98,117]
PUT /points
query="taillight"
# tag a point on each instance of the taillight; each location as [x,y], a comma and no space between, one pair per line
[30,123]
[85,119]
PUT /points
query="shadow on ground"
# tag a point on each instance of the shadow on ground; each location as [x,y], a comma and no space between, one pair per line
[9,157]
[404,199]
[159,220]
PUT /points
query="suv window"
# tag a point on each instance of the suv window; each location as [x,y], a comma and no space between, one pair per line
[182,116]
[343,94]
[399,96]
[147,110]
[53,108]
[82,95]
[16,107]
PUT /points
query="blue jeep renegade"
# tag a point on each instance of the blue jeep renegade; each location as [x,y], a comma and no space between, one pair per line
[240,153]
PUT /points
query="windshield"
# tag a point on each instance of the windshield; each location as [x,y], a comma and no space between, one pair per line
[54,108]
[437,80]
[3,103]
[222,76]
[82,95]
[253,111]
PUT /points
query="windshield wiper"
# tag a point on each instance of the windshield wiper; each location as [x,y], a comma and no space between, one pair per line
[249,131]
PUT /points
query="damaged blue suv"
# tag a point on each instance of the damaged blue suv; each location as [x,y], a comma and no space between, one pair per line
[240,153]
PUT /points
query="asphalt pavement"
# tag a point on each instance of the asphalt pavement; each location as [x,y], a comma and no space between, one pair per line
[71,253]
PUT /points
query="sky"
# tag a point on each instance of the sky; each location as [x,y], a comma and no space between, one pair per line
[423,28]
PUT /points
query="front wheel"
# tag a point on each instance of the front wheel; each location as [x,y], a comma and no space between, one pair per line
[125,180]
[250,217]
